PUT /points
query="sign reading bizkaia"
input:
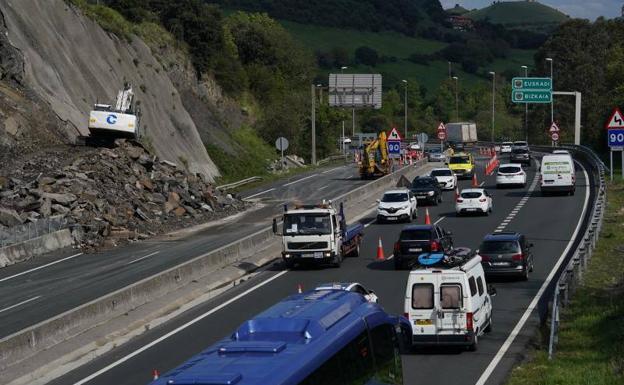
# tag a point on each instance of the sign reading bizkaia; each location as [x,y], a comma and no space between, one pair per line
[531,90]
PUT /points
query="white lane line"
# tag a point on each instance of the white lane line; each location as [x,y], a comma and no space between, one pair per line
[19,304]
[260,193]
[369,223]
[481,184]
[516,330]
[177,330]
[332,169]
[439,220]
[40,267]
[321,188]
[142,258]
[299,180]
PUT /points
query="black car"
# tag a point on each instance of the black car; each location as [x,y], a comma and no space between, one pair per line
[417,239]
[520,155]
[427,188]
[506,253]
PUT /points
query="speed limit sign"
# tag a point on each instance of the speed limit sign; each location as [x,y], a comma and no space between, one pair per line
[554,136]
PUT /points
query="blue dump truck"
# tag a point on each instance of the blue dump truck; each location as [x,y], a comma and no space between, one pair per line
[317,234]
[320,337]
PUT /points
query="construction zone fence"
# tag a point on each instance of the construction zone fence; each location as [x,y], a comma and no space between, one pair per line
[22,233]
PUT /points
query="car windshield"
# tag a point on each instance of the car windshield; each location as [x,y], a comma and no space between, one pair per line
[470,195]
[420,182]
[509,170]
[459,159]
[394,197]
[415,235]
[507,143]
[520,151]
[307,224]
[499,247]
[521,144]
[441,173]
[434,150]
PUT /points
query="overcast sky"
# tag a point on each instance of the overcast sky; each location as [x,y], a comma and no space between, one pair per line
[584,9]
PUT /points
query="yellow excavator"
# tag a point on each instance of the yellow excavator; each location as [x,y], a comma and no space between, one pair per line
[374,158]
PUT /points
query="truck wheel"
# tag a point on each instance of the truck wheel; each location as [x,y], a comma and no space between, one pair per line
[356,253]
[397,264]
[475,344]
[289,263]
[488,329]
[337,260]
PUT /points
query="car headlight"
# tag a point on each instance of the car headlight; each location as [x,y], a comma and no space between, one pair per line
[430,193]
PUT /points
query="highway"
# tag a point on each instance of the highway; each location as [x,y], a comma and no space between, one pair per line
[549,222]
[43,287]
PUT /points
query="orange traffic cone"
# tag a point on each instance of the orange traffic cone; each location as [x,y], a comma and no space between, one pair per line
[299,288]
[456,192]
[380,253]
[155,374]
[427,217]
[475,182]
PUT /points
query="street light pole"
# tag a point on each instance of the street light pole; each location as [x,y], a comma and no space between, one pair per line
[342,71]
[405,97]
[450,72]
[493,97]
[456,98]
[552,83]
[313,125]
[526,110]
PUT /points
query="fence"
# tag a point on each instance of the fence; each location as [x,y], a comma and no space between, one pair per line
[25,232]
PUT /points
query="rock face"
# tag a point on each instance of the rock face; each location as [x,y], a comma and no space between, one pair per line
[70,62]
[109,195]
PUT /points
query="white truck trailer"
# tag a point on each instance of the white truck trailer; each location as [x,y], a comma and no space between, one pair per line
[463,132]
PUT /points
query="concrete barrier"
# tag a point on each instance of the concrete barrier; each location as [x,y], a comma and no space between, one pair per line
[44,335]
[36,246]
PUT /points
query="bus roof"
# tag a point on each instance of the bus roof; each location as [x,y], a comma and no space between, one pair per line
[285,343]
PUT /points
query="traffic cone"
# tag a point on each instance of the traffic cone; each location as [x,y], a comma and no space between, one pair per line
[155,374]
[456,192]
[380,253]
[475,182]
[427,217]
[299,288]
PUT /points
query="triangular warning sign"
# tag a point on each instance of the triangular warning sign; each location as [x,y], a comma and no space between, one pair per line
[616,120]
[441,127]
[554,127]
[394,135]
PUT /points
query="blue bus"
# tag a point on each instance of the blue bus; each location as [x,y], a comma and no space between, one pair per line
[320,337]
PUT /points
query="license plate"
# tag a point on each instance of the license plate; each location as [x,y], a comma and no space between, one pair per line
[423,322]
[471,209]
[500,263]
[391,218]
[307,255]
[509,177]
[415,250]
[548,181]
[318,254]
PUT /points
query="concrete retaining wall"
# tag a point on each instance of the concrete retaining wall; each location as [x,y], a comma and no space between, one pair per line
[36,246]
[27,342]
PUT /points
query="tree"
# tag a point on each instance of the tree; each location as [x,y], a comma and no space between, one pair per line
[366,55]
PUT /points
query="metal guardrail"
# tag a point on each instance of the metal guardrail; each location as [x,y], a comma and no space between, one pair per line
[22,233]
[239,183]
[333,157]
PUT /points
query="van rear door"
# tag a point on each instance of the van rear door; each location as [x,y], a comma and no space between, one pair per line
[557,171]
[451,318]
[422,311]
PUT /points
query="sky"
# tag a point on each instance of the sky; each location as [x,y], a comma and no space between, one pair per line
[584,9]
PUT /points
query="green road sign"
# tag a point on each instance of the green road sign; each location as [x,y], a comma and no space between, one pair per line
[531,84]
[541,96]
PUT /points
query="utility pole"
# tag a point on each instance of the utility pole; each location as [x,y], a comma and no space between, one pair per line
[526,110]
[552,83]
[456,98]
[493,98]
[405,97]
[313,125]
[450,72]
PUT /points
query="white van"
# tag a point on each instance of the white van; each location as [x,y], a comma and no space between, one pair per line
[557,174]
[448,303]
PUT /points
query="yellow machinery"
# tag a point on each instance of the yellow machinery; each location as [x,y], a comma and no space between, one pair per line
[374,158]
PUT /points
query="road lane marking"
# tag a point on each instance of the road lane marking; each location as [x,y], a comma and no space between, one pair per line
[142,258]
[439,220]
[40,267]
[178,329]
[324,187]
[481,184]
[299,180]
[516,330]
[333,169]
[260,193]
[19,304]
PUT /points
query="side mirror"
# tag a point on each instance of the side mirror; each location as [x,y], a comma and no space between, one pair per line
[477,251]
[274,226]
[491,290]
[378,200]
[448,232]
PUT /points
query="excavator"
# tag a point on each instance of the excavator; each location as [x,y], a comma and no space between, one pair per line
[374,158]
[118,121]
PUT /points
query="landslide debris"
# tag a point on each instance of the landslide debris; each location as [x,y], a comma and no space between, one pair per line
[108,195]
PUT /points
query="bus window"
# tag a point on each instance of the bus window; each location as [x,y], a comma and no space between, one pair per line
[353,365]
[388,369]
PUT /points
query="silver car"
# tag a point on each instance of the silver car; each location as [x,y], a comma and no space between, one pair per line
[436,155]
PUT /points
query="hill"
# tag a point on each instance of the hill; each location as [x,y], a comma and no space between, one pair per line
[529,15]
[456,10]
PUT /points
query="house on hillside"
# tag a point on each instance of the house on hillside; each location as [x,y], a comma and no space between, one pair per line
[461,23]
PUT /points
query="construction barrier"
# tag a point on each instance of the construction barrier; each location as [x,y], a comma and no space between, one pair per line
[492,165]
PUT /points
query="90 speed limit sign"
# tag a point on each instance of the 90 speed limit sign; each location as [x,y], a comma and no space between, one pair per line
[615,138]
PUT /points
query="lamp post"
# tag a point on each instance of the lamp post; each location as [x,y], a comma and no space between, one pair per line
[493,97]
[552,83]
[526,109]
[456,98]
[405,97]
[450,72]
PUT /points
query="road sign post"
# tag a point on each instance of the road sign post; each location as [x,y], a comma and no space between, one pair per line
[281,144]
[394,144]
[615,137]
[442,135]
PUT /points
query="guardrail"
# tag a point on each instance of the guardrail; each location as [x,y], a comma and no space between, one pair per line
[333,157]
[239,183]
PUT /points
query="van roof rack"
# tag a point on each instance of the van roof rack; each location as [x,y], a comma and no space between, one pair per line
[453,259]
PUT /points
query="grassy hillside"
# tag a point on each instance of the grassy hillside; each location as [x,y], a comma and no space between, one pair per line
[398,46]
[457,10]
[520,15]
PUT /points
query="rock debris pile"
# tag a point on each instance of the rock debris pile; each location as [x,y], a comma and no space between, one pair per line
[108,195]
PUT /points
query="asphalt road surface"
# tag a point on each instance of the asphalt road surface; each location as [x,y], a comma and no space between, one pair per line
[548,222]
[36,290]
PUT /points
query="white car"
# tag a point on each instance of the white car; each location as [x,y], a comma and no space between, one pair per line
[445,177]
[414,146]
[396,205]
[561,152]
[473,200]
[350,286]
[505,147]
[510,174]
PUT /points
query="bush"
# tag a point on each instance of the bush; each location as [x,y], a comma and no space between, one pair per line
[366,55]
